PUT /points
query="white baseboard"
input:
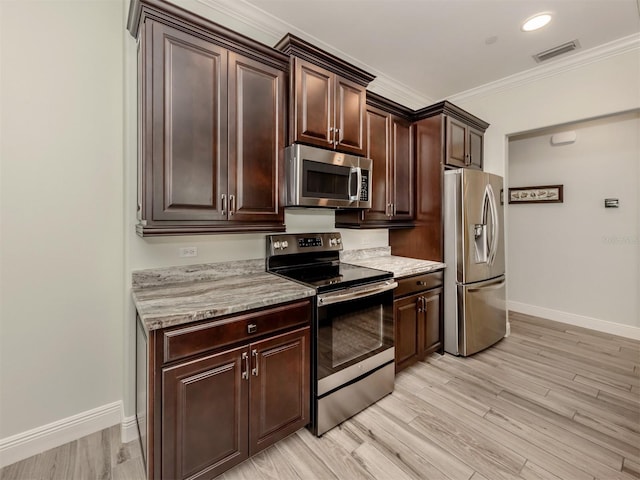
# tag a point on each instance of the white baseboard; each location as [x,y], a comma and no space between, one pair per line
[128,429]
[25,444]
[620,329]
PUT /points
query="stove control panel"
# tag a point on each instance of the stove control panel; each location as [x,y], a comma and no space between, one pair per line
[303,243]
[308,242]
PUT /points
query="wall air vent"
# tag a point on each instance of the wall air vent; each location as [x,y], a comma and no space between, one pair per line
[555,51]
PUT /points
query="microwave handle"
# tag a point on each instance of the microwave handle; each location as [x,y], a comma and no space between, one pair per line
[358,172]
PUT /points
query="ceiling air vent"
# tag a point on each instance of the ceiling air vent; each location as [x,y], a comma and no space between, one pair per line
[555,51]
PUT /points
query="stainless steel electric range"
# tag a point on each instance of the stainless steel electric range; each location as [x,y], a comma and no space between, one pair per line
[352,350]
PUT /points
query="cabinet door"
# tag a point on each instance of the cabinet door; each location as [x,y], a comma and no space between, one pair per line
[313,104]
[204,416]
[350,109]
[424,241]
[377,130]
[476,148]
[403,171]
[406,318]
[187,78]
[431,327]
[256,141]
[280,388]
[456,152]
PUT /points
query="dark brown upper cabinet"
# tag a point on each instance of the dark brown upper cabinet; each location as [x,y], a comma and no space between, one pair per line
[463,134]
[390,142]
[465,145]
[212,119]
[443,135]
[327,99]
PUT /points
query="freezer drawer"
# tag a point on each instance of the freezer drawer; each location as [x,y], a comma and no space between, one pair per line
[481,316]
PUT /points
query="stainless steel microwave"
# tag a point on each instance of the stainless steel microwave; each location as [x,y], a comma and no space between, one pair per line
[323,178]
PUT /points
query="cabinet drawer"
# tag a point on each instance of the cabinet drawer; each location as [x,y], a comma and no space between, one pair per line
[193,339]
[418,283]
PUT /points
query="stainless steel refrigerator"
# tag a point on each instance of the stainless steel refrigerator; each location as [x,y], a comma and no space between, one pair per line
[475,304]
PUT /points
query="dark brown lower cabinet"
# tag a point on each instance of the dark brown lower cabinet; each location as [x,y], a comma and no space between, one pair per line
[279,395]
[223,390]
[418,317]
[204,416]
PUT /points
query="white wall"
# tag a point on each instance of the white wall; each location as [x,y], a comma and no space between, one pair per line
[578,256]
[61,261]
[602,86]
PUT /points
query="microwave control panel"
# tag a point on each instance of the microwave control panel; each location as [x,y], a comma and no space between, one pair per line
[364,187]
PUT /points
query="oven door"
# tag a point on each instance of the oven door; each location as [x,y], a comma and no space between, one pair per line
[354,335]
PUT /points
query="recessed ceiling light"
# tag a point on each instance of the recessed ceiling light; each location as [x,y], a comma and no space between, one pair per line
[536,22]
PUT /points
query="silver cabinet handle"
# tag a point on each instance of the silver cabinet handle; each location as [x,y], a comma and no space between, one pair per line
[224,204]
[245,373]
[252,328]
[331,137]
[339,132]
[232,204]
[254,371]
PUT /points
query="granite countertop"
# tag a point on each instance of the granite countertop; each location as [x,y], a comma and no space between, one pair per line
[166,297]
[177,295]
[382,259]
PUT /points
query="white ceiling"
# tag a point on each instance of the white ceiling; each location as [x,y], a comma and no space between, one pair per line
[435,49]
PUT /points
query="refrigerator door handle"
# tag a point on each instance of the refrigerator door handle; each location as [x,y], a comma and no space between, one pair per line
[493,242]
[493,286]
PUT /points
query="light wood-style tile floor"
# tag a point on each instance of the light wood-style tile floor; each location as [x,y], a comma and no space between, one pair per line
[551,401]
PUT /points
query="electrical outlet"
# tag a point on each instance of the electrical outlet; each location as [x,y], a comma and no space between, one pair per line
[188,252]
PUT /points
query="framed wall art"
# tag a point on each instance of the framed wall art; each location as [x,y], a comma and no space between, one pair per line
[540,194]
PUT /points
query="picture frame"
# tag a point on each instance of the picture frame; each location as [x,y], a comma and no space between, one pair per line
[537,194]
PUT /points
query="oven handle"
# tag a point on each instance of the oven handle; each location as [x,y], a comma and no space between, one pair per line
[354,293]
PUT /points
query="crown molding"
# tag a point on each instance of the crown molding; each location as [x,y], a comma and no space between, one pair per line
[398,92]
[556,67]
[251,16]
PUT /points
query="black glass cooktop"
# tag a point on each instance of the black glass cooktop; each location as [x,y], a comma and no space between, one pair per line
[333,276]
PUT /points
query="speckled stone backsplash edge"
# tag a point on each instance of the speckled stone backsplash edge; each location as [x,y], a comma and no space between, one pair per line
[159,277]
[347,255]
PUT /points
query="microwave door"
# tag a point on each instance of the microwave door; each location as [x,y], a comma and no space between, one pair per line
[324,184]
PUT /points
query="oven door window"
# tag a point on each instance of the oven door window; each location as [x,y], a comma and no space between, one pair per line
[349,332]
[323,180]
